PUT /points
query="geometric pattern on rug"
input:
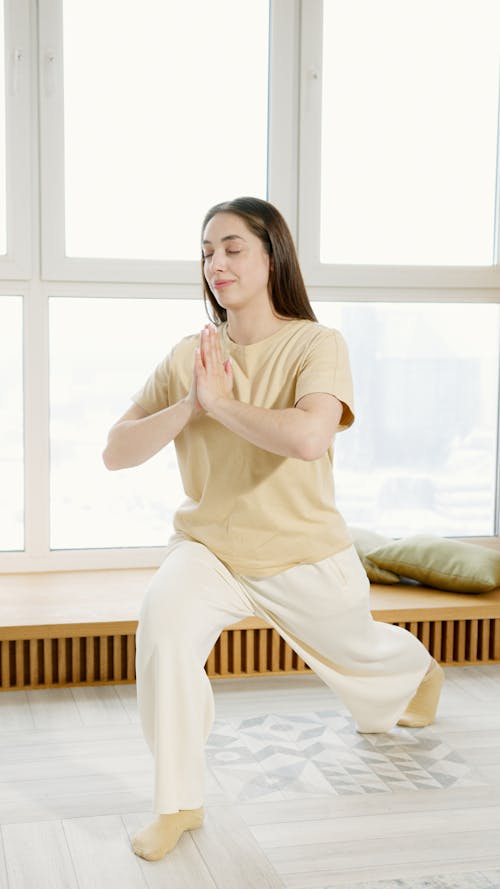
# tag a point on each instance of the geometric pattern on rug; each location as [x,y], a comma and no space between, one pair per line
[283,756]
[473,880]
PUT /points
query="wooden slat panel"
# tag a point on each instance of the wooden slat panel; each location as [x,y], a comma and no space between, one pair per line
[75,659]
[472,653]
[437,648]
[224,654]
[485,640]
[461,634]
[426,634]
[62,662]
[210,665]
[103,658]
[48,673]
[19,647]
[262,657]
[90,675]
[117,657]
[237,652]
[495,653]
[250,651]
[449,644]
[275,651]
[34,662]
[131,656]
[5,664]
[288,659]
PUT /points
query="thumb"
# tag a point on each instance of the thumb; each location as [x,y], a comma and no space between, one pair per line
[228,367]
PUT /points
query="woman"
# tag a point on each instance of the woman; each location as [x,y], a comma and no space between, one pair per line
[253,404]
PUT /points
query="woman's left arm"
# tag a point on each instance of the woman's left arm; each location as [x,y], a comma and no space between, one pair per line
[305,431]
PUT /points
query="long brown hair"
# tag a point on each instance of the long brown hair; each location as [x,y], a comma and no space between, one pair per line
[286,284]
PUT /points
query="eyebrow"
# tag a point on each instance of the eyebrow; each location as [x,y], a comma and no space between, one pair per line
[227,238]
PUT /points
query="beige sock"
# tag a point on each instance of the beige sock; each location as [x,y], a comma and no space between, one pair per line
[422,708]
[162,835]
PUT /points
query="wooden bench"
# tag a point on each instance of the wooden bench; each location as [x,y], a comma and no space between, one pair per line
[68,628]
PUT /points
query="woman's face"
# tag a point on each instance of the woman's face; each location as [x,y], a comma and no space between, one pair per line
[236,265]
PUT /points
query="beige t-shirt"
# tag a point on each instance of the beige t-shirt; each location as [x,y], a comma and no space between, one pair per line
[258,512]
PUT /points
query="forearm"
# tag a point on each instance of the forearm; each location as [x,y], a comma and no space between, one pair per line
[132,442]
[289,432]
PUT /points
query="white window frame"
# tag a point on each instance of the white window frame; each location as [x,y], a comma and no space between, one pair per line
[282,154]
[36,216]
[16,262]
[427,283]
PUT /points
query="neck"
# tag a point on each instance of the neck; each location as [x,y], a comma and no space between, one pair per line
[246,328]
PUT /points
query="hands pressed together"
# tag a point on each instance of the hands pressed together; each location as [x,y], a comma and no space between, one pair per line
[212,376]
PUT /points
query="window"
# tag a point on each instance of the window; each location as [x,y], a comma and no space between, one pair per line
[175,122]
[102,351]
[3,184]
[409,132]
[373,127]
[11,424]
[422,454]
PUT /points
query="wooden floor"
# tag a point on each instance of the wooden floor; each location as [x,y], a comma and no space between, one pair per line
[294,796]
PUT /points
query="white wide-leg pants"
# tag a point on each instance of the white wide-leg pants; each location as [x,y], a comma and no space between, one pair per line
[322,610]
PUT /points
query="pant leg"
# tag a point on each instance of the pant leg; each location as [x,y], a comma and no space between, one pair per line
[323,612]
[190,599]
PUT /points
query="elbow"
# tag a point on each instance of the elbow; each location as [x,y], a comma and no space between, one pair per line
[311,448]
[107,459]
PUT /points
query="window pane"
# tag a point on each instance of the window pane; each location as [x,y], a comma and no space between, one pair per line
[421,456]
[11,424]
[409,136]
[3,192]
[165,109]
[101,351]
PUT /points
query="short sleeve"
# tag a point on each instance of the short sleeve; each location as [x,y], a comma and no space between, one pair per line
[326,368]
[153,396]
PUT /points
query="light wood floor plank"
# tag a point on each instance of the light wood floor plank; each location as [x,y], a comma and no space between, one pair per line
[3,870]
[400,877]
[327,861]
[184,867]
[128,698]
[403,804]
[98,704]
[38,857]
[53,708]
[369,827]
[95,777]
[101,853]
[15,714]
[231,853]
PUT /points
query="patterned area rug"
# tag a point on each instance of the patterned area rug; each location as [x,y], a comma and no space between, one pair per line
[321,751]
[473,880]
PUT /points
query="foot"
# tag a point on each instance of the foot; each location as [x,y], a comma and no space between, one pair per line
[422,708]
[162,835]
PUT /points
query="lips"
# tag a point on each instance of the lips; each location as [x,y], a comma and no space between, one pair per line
[222,283]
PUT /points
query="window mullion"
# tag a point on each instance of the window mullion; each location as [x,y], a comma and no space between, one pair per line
[16,264]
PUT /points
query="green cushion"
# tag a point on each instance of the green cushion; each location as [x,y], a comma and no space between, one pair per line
[441,563]
[364,541]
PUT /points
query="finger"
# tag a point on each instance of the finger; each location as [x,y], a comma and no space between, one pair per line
[219,348]
[201,347]
[207,349]
[211,349]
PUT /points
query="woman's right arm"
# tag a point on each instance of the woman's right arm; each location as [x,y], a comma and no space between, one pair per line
[137,435]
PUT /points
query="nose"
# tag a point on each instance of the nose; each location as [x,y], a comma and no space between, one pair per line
[219,259]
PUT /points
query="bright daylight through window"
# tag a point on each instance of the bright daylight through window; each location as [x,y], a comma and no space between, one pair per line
[3,191]
[170,128]
[420,455]
[11,424]
[409,132]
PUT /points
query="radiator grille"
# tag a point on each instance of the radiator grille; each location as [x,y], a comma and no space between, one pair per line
[101,660]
